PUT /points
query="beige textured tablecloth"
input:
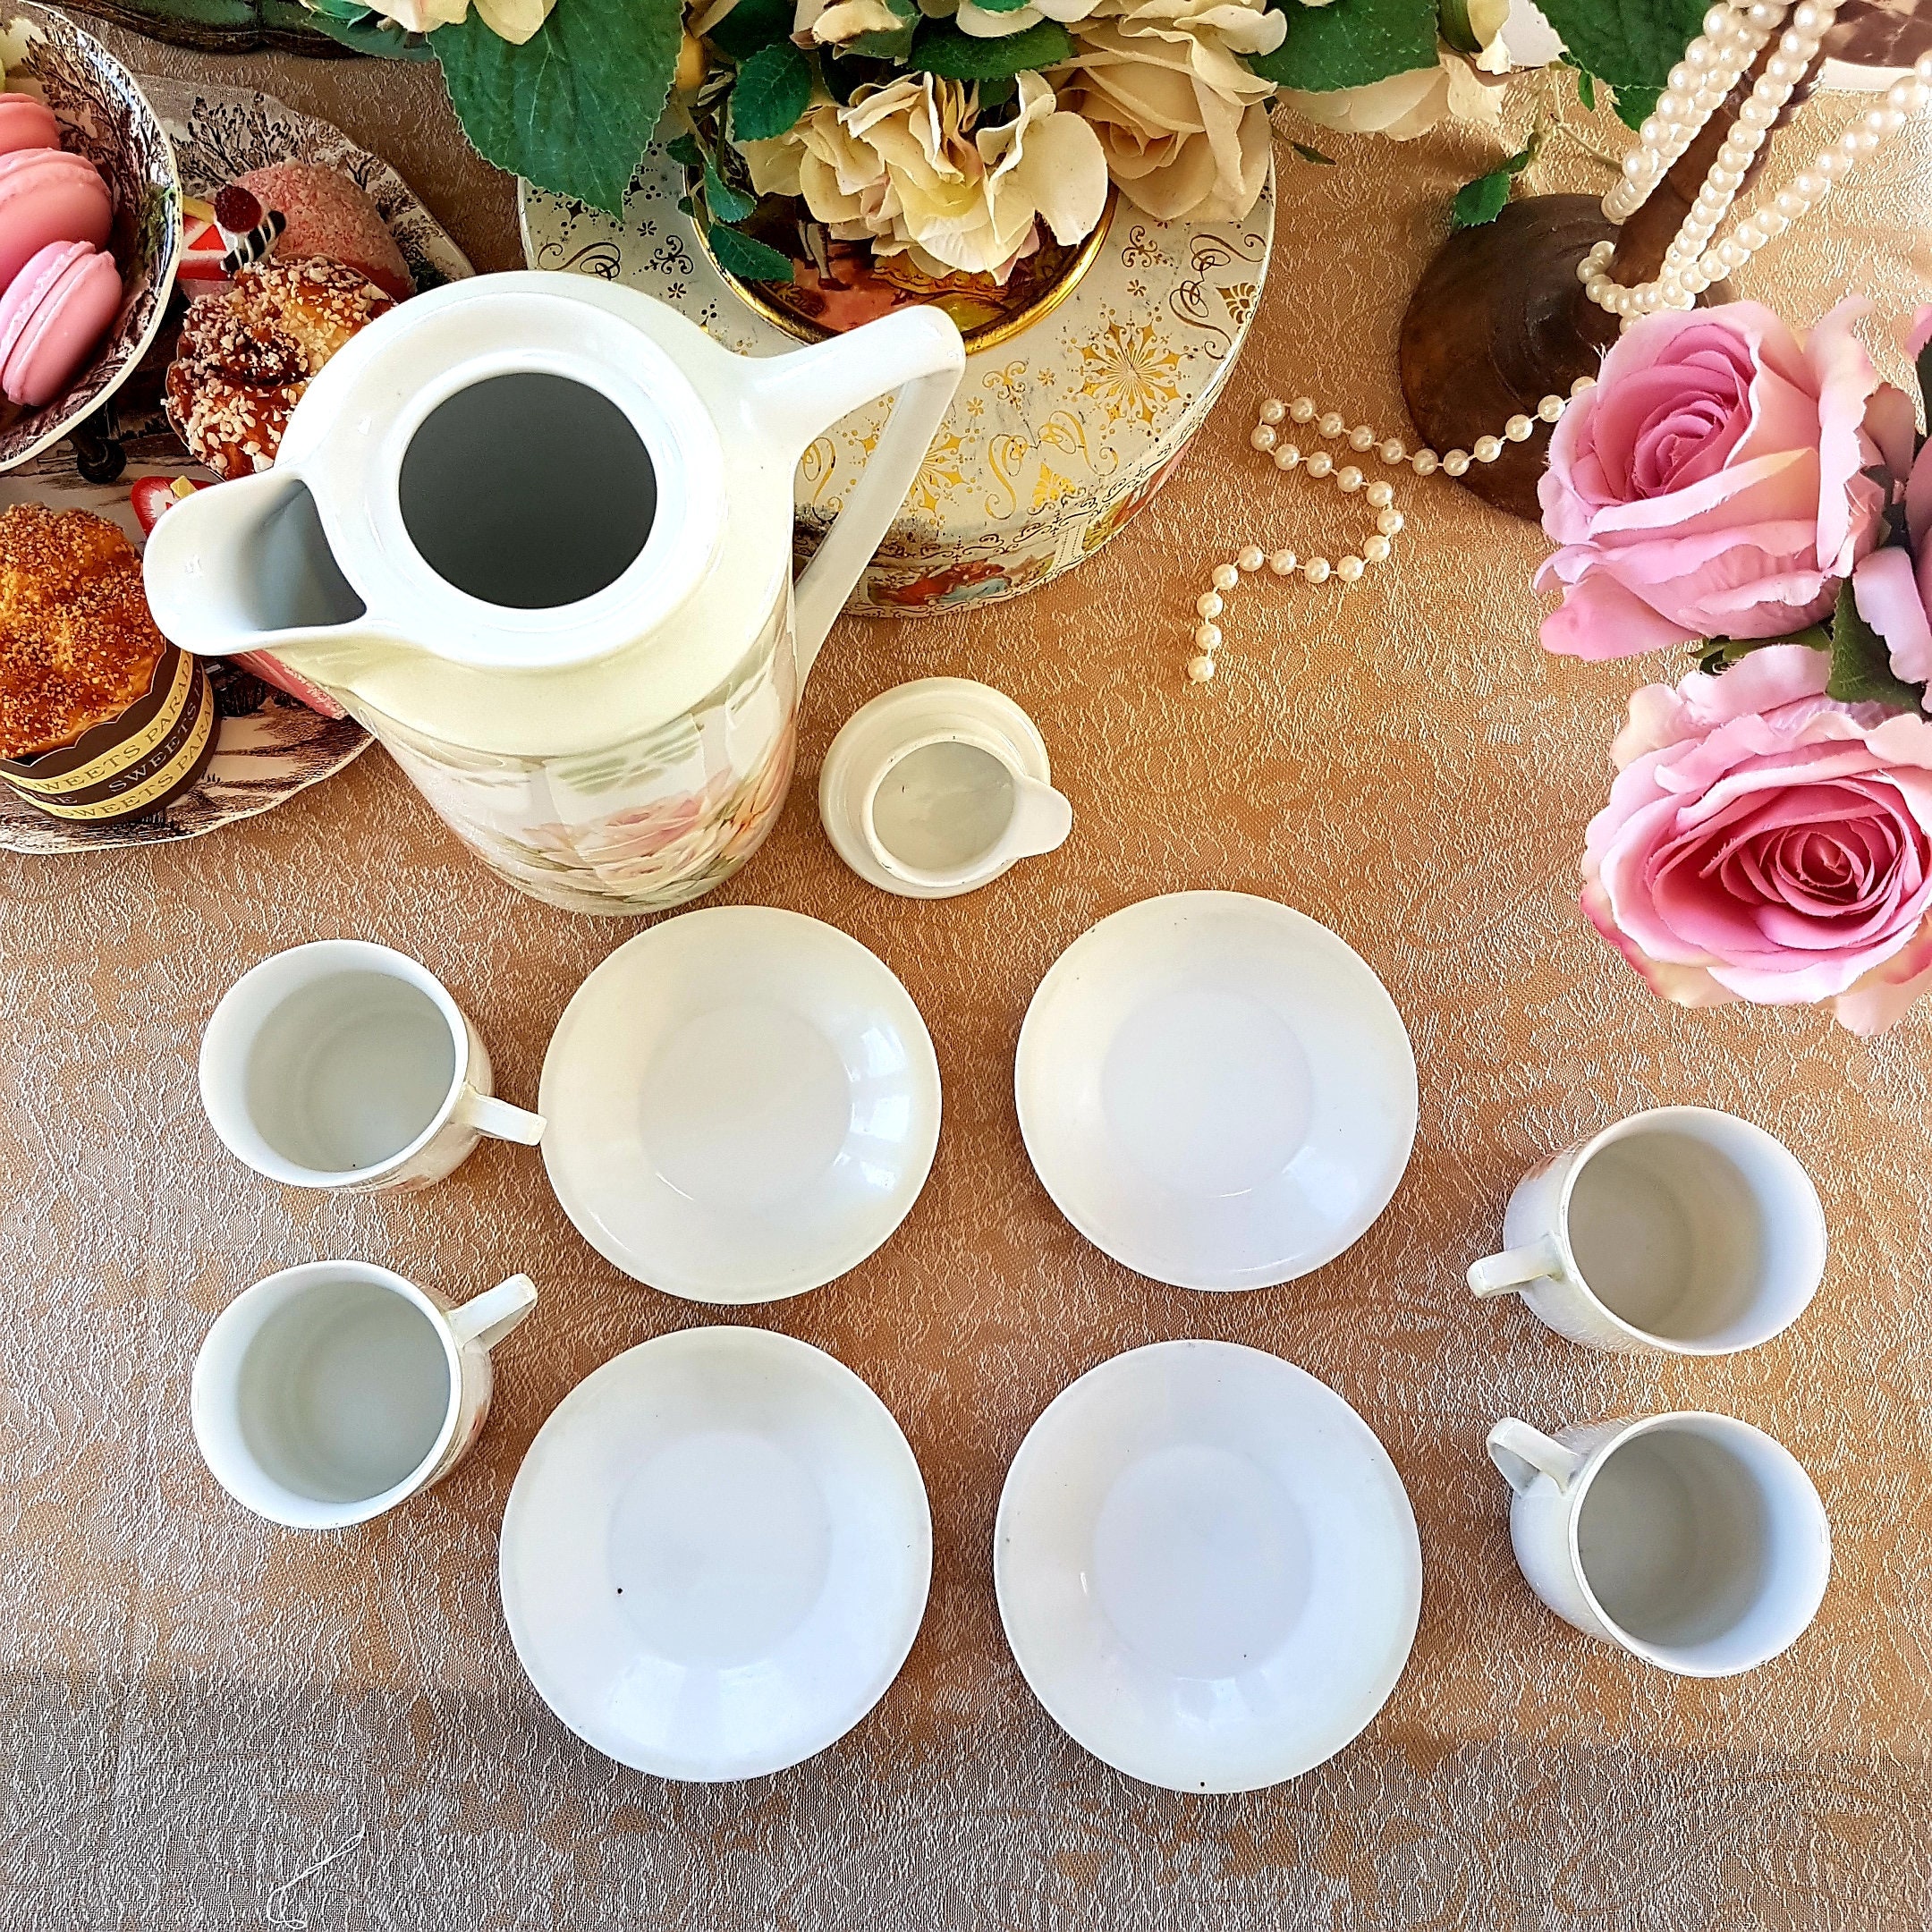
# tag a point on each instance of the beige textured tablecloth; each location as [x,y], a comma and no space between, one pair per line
[198,1707]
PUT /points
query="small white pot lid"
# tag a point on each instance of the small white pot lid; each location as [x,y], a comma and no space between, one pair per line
[1206,1566]
[716,1556]
[881,728]
[741,1104]
[1215,1090]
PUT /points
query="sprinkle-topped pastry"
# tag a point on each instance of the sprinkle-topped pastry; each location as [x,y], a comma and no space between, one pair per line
[78,645]
[246,357]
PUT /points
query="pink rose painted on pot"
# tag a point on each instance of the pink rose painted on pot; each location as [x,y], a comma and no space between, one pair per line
[1893,594]
[1709,485]
[1765,843]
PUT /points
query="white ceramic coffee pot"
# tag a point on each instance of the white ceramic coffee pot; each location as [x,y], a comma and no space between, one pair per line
[534,530]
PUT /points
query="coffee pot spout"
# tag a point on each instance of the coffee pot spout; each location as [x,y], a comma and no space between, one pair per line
[246,566]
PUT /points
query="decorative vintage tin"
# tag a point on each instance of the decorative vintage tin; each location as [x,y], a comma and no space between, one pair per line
[1061,430]
[133,764]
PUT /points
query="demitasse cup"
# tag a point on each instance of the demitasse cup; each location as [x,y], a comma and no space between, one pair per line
[346,1066]
[1681,1230]
[328,1393]
[1694,1541]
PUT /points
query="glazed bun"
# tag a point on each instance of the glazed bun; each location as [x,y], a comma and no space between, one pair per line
[247,356]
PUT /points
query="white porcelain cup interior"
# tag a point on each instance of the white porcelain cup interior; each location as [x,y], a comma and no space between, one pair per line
[327,1394]
[1700,1541]
[326,1065]
[953,807]
[1694,1230]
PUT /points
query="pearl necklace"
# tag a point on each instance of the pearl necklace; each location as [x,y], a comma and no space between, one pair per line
[1266,438]
[1731,38]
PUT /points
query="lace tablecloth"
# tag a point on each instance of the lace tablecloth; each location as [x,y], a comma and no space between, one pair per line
[198,1708]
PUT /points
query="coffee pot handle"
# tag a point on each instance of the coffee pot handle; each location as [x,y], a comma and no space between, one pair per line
[918,354]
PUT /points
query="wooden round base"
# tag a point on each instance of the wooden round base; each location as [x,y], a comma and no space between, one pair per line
[1498,322]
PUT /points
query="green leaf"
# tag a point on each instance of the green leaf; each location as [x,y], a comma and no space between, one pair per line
[1634,105]
[940,48]
[893,46]
[684,150]
[1456,28]
[746,256]
[367,32]
[1312,153]
[1349,43]
[774,89]
[1001,6]
[1478,203]
[1861,666]
[572,108]
[750,25]
[1586,88]
[890,45]
[727,203]
[1631,43]
[1724,652]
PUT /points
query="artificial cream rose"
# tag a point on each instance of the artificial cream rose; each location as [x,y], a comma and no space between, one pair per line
[833,23]
[1462,87]
[903,168]
[1179,114]
[515,20]
[984,24]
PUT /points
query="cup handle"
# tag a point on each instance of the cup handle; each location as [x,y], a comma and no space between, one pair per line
[1517,1267]
[1523,1453]
[498,1119]
[489,1317]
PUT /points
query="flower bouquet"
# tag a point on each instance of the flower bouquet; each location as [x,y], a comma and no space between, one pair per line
[1769,501]
[964,137]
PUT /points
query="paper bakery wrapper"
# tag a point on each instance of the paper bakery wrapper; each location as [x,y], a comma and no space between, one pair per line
[133,764]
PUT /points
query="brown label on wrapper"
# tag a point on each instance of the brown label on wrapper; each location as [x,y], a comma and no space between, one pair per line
[133,764]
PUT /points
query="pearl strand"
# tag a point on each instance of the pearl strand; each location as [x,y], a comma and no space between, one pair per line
[1682,276]
[1265,437]
[1699,85]
[1693,262]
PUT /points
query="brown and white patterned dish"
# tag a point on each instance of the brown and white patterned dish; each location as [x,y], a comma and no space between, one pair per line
[105,116]
[220,133]
[270,747]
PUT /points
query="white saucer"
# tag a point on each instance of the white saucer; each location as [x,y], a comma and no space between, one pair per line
[1206,1566]
[715,1555]
[742,1103]
[1215,1090]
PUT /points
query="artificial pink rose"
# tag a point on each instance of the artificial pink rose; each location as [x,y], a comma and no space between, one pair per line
[1765,843]
[1709,485]
[1893,596]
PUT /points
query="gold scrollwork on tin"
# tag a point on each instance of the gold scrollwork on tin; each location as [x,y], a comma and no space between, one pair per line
[818,466]
[943,472]
[1130,371]
[1212,250]
[1189,301]
[603,260]
[1005,454]
[1008,384]
[1065,431]
[1139,252]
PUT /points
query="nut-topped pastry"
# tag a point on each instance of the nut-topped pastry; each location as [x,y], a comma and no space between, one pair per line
[77,643]
[246,356]
[101,717]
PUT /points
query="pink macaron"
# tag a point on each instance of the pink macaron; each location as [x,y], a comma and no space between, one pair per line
[26,122]
[47,195]
[52,316]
